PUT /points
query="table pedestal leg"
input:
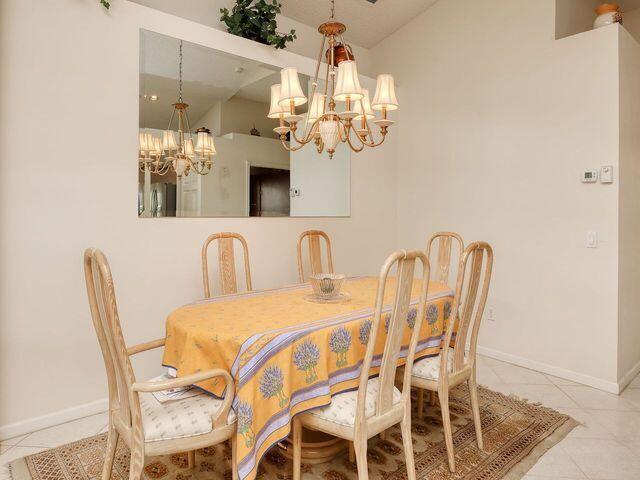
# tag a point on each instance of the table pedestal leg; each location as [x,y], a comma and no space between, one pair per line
[317,447]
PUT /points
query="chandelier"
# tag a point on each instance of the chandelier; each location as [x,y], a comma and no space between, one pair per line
[161,156]
[322,124]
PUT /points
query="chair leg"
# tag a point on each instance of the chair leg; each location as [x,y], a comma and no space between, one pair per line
[297,448]
[191,458]
[110,452]
[420,403]
[443,395]
[405,426]
[137,462]
[234,458]
[361,459]
[475,408]
[432,398]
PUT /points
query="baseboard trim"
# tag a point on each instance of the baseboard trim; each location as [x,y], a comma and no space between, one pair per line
[600,384]
[628,377]
[52,419]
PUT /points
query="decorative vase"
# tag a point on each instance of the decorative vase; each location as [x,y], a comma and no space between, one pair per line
[608,13]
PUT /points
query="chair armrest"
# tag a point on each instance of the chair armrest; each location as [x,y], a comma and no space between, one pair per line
[143,347]
[220,417]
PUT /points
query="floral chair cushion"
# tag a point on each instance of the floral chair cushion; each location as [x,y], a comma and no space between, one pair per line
[342,409]
[179,418]
[429,368]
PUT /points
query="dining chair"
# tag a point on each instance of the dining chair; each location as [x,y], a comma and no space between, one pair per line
[226,263]
[440,271]
[454,365]
[147,426]
[445,240]
[377,405]
[315,253]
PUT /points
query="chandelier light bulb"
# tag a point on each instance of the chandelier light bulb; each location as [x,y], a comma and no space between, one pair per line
[385,97]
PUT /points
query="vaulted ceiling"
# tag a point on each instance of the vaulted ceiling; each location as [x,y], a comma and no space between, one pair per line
[368,21]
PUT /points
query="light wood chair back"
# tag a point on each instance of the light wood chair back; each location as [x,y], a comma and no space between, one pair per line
[441,268]
[472,288]
[315,253]
[226,263]
[104,313]
[405,268]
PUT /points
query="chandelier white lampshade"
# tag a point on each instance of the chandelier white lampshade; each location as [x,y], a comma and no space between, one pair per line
[330,133]
[316,110]
[276,111]
[366,102]
[385,97]
[347,83]
[143,142]
[169,141]
[157,146]
[212,147]
[202,142]
[188,148]
[290,88]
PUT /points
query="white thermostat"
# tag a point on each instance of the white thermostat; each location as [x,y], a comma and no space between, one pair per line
[589,176]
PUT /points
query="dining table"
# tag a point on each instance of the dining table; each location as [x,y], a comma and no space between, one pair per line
[289,353]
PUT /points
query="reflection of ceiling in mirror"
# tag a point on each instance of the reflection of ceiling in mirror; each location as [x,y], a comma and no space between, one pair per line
[209,76]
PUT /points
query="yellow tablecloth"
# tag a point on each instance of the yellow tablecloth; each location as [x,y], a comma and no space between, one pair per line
[286,354]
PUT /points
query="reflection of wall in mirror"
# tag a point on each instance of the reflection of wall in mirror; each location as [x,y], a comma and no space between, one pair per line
[323,183]
[238,115]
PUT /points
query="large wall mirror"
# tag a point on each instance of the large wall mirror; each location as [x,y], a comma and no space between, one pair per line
[226,100]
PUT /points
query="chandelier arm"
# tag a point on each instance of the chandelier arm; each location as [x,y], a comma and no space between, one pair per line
[289,148]
[350,143]
[308,136]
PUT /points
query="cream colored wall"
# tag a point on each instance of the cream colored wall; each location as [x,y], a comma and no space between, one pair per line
[629,175]
[631,22]
[64,60]
[498,121]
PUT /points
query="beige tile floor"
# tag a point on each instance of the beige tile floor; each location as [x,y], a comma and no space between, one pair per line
[605,447]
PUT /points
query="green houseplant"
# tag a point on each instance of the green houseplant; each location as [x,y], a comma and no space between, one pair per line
[256,20]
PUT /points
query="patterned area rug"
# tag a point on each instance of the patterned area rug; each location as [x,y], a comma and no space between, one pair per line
[516,435]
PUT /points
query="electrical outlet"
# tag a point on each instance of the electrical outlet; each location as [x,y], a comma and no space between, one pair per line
[491,313]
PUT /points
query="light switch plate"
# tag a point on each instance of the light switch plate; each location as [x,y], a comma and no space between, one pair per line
[606,174]
[592,240]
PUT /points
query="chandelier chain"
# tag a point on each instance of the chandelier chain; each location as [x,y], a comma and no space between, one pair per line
[180,75]
[333,9]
